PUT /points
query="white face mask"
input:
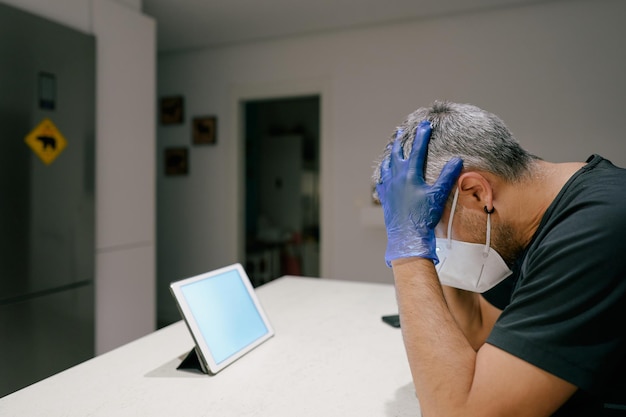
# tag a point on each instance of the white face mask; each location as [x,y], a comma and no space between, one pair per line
[469,266]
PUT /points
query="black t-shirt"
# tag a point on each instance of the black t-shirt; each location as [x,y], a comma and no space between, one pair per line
[565,304]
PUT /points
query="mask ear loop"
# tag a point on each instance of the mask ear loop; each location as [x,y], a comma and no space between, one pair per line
[488,242]
[454,200]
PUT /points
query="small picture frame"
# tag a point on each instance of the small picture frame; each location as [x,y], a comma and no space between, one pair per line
[375,200]
[204,130]
[172,110]
[47,91]
[176,161]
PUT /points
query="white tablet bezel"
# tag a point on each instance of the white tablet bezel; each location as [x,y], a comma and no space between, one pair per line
[202,348]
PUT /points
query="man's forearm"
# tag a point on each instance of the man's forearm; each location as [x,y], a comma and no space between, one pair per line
[441,358]
[468,309]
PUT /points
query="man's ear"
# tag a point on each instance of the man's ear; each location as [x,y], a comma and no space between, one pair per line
[475,191]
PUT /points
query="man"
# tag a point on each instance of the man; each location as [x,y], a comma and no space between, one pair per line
[543,339]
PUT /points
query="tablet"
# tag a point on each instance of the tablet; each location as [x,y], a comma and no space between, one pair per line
[223,315]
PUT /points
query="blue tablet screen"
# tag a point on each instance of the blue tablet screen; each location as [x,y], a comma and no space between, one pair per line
[227,316]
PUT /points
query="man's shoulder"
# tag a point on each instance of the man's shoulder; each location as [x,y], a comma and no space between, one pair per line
[597,185]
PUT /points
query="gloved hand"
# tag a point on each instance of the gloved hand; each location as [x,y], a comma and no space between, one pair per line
[411,207]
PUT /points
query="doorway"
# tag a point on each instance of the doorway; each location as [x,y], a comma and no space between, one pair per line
[282,160]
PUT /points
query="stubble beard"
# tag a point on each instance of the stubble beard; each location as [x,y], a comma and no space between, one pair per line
[504,238]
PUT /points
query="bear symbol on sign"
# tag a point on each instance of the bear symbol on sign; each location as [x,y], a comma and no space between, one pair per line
[47,141]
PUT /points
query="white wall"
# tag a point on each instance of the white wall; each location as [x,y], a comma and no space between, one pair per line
[553,72]
[125,144]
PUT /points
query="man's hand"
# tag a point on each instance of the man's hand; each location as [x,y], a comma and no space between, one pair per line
[411,207]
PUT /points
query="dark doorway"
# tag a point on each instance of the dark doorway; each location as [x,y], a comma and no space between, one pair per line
[282,187]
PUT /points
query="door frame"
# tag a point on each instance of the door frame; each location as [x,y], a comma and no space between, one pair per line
[289,89]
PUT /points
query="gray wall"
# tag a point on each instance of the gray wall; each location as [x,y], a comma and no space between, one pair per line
[553,72]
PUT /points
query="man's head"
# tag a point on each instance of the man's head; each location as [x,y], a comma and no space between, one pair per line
[478,137]
[490,155]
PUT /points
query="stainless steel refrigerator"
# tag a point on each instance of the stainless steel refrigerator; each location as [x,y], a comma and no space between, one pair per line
[47,216]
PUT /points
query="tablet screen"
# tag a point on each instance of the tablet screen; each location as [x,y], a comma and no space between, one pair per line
[225,313]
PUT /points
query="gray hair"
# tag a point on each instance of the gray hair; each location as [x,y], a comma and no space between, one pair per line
[478,137]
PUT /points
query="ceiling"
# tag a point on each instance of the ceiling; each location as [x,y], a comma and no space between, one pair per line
[190,24]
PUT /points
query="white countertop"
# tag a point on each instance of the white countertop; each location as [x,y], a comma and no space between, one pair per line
[331,356]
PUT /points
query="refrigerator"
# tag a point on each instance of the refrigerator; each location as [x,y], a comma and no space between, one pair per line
[47,198]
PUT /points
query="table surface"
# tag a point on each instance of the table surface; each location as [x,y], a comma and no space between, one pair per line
[331,356]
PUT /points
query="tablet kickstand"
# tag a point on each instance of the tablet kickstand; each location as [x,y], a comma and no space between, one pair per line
[192,362]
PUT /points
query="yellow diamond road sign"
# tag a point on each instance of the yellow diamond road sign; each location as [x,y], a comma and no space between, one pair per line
[46,141]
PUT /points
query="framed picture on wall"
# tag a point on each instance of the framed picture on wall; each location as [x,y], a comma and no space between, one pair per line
[172,110]
[176,161]
[375,201]
[204,130]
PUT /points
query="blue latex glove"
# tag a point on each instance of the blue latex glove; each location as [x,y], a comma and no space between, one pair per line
[411,207]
